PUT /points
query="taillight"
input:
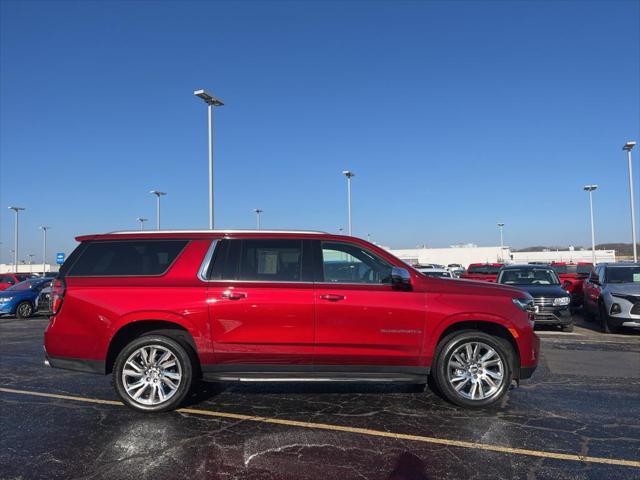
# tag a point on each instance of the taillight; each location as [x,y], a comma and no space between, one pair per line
[57,294]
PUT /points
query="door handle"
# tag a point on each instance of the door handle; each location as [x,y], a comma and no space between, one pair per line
[332,297]
[233,295]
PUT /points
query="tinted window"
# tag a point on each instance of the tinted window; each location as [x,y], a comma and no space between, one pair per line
[477,269]
[270,260]
[346,263]
[626,274]
[133,257]
[528,276]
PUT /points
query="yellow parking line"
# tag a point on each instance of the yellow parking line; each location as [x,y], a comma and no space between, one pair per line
[361,431]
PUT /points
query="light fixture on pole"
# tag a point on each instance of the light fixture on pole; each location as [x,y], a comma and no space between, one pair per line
[15,246]
[141,221]
[501,227]
[591,189]
[158,194]
[44,229]
[340,229]
[211,102]
[628,147]
[349,174]
[258,212]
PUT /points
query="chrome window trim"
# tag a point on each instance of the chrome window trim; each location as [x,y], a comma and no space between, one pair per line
[213,232]
[324,284]
[204,266]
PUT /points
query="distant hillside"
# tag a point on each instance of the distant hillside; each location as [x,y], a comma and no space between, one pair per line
[622,249]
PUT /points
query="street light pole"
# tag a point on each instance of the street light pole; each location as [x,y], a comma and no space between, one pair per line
[258,212]
[211,101]
[15,247]
[501,227]
[31,255]
[628,147]
[591,189]
[142,220]
[158,194]
[349,174]
[44,229]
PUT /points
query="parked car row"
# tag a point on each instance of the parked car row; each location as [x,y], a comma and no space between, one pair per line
[609,293]
[21,299]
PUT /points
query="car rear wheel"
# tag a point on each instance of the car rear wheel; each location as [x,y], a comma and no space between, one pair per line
[473,369]
[24,310]
[153,374]
[605,324]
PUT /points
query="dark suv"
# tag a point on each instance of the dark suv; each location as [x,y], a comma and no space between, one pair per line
[552,301]
[158,309]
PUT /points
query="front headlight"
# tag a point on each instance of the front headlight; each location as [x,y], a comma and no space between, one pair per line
[561,301]
[5,299]
[525,304]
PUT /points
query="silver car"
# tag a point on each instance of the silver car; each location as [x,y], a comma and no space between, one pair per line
[612,292]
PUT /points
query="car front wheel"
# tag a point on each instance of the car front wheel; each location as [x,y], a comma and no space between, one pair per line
[474,369]
[153,374]
[24,310]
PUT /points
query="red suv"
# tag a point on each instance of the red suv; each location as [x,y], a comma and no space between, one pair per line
[572,276]
[159,309]
[486,272]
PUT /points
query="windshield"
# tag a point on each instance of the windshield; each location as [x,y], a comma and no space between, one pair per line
[28,285]
[528,276]
[572,269]
[626,274]
[437,274]
[485,269]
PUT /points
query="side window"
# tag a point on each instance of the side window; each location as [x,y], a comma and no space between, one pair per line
[347,263]
[271,260]
[126,258]
[601,274]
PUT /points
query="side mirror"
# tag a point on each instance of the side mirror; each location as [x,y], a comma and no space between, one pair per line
[400,279]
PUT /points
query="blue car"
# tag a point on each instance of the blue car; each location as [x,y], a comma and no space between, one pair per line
[20,299]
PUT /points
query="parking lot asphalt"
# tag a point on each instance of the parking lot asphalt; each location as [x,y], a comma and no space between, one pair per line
[577,417]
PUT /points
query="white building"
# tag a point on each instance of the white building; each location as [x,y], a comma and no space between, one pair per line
[26,268]
[465,255]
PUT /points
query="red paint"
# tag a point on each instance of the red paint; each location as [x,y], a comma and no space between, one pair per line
[15,278]
[573,282]
[471,274]
[282,323]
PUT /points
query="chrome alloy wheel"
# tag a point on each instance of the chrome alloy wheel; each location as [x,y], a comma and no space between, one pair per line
[25,310]
[475,371]
[151,375]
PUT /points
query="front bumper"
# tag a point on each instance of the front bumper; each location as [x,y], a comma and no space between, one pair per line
[7,308]
[553,316]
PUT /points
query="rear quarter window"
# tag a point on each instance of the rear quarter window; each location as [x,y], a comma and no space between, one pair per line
[126,258]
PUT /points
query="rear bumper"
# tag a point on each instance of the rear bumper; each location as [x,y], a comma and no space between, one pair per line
[75,364]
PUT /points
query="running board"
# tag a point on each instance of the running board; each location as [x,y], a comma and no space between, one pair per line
[315,376]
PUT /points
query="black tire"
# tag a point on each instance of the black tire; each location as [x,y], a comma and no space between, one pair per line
[184,366]
[587,313]
[24,310]
[447,347]
[567,328]
[605,325]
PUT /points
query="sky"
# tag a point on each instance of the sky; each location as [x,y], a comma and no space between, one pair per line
[453,115]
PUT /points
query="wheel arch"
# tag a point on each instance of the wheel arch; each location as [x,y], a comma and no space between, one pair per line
[132,330]
[486,326]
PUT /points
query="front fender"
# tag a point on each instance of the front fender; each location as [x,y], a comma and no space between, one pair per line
[438,328]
